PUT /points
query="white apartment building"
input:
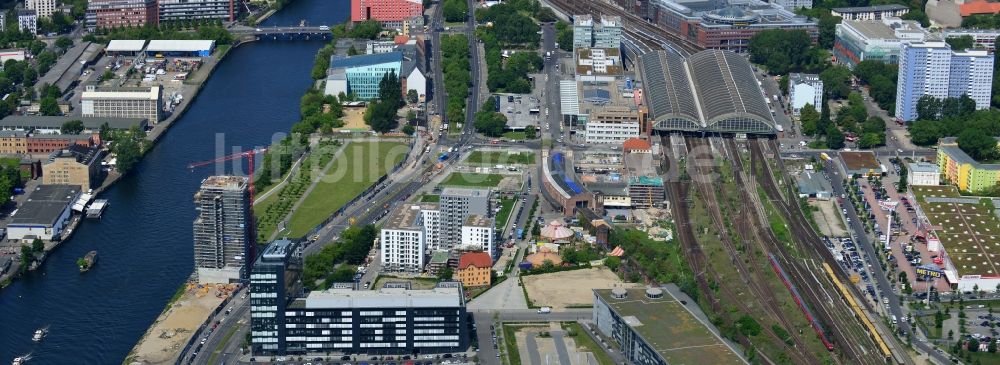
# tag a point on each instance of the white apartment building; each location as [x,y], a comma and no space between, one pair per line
[478,231]
[606,33]
[876,12]
[44,8]
[612,124]
[923,173]
[933,68]
[431,218]
[122,103]
[27,21]
[804,89]
[402,240]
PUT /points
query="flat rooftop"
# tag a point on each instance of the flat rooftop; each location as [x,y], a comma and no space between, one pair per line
[476,220]
[968,228]
[55,122]
[406,216]
[44,205]
[859,160]
[465,192]
[676,335]
[225,181]
[439,297]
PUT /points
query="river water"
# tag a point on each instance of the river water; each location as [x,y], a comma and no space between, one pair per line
[144,239]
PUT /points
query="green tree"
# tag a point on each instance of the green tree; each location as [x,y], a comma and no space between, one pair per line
[783,84]
[352,51]
[128,150]
[530,132]
[74,126]
[37,245]
[455,10]
[748,326]
[368,29]
[49,106]
[928,108]
[412,97]
[490,123]
[445,274]
[834,138]
[613,263]
[979,146]
[924,132]
[409,130]
[782,51]
[411,115]
[917,15]
[836,81]
[63,43]
[809,119]
[961,42]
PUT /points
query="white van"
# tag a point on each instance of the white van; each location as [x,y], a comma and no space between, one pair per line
[893,319]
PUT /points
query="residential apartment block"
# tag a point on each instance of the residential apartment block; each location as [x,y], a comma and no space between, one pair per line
[122,13]
[223,229]
[933,68]
[804,89]
[27,21]
[402,240]
[13,142]
[876,12]
[962,170]
[74,165]
[39,143]
[44,8]
[478,234]
[122,103]
[603,33]
[173,10]
[457,204]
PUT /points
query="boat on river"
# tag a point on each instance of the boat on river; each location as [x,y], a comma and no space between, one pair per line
[87,262]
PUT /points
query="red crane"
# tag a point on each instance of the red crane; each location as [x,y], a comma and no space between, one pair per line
[249,155]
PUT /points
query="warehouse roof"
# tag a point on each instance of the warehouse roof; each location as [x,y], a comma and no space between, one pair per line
[126,45]
[54,122]
[44,205]
[159,45]
[712,90]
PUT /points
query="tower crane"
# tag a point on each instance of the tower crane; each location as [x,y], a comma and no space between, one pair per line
[249,155]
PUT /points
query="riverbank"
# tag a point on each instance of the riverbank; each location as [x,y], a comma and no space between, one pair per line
[190,92]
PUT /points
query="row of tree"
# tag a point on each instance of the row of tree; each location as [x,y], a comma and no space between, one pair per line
[321,270]
[382,115]
[455,10]
[457,77]
[881,81]
[211,31]
[512,27]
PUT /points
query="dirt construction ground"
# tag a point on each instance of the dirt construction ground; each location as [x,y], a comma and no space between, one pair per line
[560,290]
[162,343]
[828,219]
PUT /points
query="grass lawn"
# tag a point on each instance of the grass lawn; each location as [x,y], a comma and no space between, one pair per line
[351,173]
[584,341]
[510,342]
[500,157]
[514,135]
[417,283]
[430,198]
[473,180]
[506,206]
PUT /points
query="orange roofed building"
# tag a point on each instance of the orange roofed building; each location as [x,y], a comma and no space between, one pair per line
[474,269]
[978,7]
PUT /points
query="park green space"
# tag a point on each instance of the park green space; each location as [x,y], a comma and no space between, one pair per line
[468,179]
[353,171]
[500,157]
[506,206]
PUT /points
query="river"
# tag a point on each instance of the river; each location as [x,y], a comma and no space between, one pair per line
[144,239]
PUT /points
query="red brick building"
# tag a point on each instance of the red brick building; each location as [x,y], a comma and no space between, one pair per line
[391,13]
[124,13]
[48,143]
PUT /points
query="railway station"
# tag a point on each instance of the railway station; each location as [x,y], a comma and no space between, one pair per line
[711,91]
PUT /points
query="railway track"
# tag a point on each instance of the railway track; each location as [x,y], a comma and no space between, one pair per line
[633,26]
[854,340]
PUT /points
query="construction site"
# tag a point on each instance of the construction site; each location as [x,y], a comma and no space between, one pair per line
[189,309]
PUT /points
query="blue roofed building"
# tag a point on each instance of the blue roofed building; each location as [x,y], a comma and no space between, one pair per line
[361,74]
